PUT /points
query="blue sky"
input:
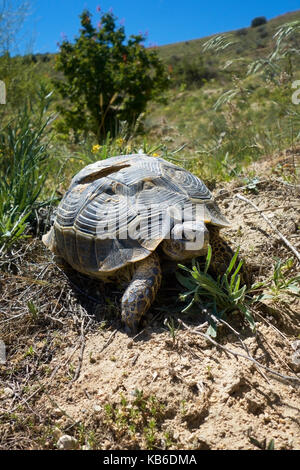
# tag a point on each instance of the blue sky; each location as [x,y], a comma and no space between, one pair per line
[166,21]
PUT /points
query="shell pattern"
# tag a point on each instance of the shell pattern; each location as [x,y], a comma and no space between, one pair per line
[117,211]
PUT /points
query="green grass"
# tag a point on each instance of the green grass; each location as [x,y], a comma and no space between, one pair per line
[281,286]
[227,294]
[23,172]
[227,124]
[218,296]
[142,414]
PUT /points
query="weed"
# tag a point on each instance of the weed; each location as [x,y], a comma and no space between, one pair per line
[251,184]
[150,433]
[22,175]
[172,328]
[220,296]
[264,444]
[279,287]
[142,414]
[33,309]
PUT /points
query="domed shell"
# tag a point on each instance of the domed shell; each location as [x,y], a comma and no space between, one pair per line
[117,211]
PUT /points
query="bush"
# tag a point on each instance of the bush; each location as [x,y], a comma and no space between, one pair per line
[22,173]
[241,32]
[190,73]
[106,79]
[258,21]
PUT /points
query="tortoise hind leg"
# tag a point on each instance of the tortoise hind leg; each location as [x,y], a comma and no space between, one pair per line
[222,254]
[141,291]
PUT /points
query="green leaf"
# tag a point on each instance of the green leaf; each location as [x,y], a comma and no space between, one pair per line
[271,445]
[232,262]
[208,259]
[293,288]
[185,281]
[248,316]
[212,331]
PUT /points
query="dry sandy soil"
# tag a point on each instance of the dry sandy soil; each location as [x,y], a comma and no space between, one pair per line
[70,372]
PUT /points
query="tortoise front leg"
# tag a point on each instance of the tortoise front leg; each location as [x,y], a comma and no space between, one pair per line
[141,291]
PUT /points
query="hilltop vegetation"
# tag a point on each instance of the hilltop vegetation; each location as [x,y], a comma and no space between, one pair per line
[249,43]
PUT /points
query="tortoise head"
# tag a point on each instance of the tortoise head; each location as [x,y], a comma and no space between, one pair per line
[187,240]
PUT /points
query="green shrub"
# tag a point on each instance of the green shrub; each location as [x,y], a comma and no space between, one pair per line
[219,296]
[258,21]
[192,73]
[107,80]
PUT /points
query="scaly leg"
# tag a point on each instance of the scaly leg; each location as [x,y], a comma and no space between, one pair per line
[141,291]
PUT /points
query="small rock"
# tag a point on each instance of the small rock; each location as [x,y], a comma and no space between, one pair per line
[8,392]
[295,361]
[130,344]
[66,442]
[233,383]
[296,345]
[57,433]
[57,413]
[97,408]
[86,447]
[154,376]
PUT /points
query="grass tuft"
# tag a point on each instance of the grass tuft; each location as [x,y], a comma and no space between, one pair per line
[219,296]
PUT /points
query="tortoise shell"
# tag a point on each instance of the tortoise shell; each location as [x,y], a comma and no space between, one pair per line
[117,211]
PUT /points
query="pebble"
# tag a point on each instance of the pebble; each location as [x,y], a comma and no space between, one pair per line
[295,358]
[57,413]
[296,344]
[8,392]
[97,408]
[86,447]
[67,442]
[254,404]
[295,361]
[57,433]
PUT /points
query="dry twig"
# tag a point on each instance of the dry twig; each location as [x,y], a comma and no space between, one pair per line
[236,354]
[80,358]
[244,346]
[288,244]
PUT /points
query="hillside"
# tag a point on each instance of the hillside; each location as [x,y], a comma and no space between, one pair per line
[250,43]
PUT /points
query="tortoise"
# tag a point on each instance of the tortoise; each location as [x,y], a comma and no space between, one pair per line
[123,216]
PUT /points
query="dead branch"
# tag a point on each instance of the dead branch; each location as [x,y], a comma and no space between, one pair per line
[236,354]
[237,334]
[288,244]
